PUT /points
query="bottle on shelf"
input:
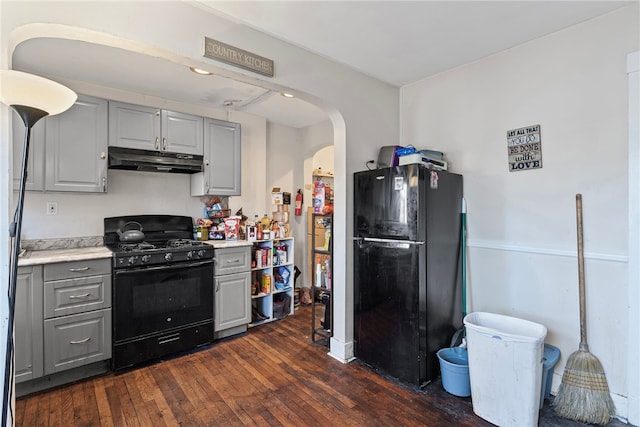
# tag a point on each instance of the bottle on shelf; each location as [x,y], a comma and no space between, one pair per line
[327,279]
[318,272]
[265,222]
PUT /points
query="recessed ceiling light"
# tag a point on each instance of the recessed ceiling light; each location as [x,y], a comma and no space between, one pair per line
[200,71]
[287,95]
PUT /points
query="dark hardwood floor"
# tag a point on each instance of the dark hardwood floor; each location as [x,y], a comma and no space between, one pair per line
[271,376]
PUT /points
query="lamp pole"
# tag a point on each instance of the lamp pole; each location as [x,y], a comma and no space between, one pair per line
[30,117]
[33,98]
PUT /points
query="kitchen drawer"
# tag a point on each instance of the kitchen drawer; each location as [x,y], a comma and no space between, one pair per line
[72,296]
[69,270]
[76,340]
[232,260]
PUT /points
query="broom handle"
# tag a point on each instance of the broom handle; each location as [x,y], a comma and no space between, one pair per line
[583,316]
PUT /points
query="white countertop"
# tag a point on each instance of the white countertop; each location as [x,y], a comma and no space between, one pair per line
[51,256]
[221,244]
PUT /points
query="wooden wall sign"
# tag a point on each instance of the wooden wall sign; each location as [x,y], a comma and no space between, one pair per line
[214,49]
[525,148]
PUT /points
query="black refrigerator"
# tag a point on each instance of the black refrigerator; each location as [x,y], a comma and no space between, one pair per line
[407,268]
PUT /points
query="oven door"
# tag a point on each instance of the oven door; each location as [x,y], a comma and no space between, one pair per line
[156,299]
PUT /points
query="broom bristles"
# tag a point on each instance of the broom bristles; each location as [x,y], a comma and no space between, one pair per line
[584,394]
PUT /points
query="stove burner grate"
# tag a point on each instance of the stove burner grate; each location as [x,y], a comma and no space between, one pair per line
[130,247]
[177,243]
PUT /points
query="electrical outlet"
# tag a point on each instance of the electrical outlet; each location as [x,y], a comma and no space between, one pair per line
[52,208]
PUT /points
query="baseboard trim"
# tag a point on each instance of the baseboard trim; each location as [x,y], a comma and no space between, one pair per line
[342,352]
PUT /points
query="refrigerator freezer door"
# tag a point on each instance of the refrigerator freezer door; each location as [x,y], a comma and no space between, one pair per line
[390,308]
[386,203]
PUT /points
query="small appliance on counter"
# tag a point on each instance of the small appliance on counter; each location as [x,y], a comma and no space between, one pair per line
[387,156]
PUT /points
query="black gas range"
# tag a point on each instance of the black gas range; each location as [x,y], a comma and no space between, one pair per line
[131,255]
[163,293]
[167,239]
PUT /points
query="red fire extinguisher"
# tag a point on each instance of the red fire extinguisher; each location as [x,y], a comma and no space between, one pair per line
[299,202]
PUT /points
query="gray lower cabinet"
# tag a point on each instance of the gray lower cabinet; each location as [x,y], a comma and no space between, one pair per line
[232,281]
[77,314]
[76,340]
[68,151]
[28,324]
[222,163]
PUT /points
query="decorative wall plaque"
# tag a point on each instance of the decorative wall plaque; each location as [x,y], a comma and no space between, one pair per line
[214,49]
[525,148]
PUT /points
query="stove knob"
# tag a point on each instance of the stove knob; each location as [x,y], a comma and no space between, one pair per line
[200,253]
[168,256]
[190,254]
[145,258]
[132,259]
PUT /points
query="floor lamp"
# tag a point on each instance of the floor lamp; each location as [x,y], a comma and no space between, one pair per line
[33,98]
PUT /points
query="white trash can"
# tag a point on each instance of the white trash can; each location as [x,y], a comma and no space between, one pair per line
[505,368]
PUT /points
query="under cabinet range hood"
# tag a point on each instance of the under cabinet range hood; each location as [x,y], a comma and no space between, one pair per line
[154,161]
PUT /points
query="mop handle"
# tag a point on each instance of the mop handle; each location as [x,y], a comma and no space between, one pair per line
[583,316]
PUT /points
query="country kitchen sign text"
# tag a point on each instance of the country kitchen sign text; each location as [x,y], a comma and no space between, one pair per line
[232,55]
[525,148]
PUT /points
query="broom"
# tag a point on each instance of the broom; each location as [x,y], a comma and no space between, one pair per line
[584,393]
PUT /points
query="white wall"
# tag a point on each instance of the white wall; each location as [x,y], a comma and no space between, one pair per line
[254,198]
[521,225]
[633,350]
[285,165]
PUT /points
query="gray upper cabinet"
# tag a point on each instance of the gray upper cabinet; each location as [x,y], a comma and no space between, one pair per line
[222,165]
[148,128]
[68,151]
[182,133]
[35,161]
[76,147]
[29,362]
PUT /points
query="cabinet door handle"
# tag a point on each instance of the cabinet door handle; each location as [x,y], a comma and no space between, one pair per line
[80,341]
[104,184]
[233,261]
[164,143]
[217,285]
[79,296]
[76,270]
[157,143]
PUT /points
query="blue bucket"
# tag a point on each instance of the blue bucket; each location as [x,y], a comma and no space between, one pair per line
[454,370]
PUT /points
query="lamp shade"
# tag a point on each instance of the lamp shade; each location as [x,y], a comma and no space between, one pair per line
[23,89]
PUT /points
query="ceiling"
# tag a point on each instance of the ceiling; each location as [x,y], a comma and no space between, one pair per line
[398,42]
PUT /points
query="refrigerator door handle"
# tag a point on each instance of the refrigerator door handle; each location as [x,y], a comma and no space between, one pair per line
[398,242]
[405,244]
